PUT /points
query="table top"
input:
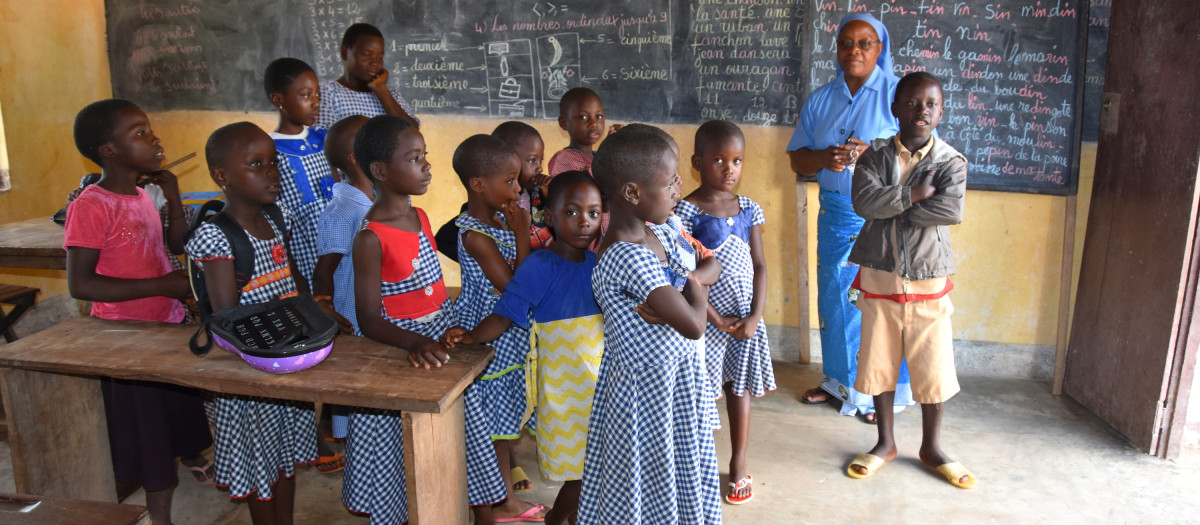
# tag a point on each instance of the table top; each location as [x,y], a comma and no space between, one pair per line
[18,509]
[358,372]
[35,243]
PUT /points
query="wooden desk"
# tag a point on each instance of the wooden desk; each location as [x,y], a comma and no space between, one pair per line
[57,430]
[35,243]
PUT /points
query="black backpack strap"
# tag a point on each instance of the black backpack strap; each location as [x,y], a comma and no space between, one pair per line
[239,246]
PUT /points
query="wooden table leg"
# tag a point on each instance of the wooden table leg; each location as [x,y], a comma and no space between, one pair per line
[435,466]
[58,435]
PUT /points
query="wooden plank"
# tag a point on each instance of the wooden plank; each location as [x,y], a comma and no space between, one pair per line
[1064,296]
[19,509]
[358,372]
[58,435]
[35,237]
[435,463]
[802,292]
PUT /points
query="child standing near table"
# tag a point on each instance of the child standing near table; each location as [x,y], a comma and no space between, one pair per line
[650,455]
[735,342]
[552,288]
[114,240]
[489,250]
[400,299]
[910,188]
[581,115]
[258,440]
[353,194]
[362,89]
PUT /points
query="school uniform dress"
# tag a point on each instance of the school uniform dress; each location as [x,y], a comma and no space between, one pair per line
[149,424]
[552,298]
[336,228]
[413,297]
[502,384]
[306,185]
[744,363]
[339,102]
[257,438]
[650,456]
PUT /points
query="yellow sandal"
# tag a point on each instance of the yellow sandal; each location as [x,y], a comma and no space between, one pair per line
[871,462]
[954,472]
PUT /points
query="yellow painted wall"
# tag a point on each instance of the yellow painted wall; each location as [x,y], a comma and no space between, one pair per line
[52,63]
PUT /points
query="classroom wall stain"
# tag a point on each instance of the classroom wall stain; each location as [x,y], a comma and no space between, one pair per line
[53,62]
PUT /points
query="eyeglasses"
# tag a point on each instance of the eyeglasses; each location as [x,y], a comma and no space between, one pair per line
[864,45]
[914,104]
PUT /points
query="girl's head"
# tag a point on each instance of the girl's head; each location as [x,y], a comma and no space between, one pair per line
[362,52]
[862,43]
[720,148]
[573,209]
[529,147]
[392,153]
[638,172]
[489,169]
[242,161]
[293,88]
[581,114]
[115,133]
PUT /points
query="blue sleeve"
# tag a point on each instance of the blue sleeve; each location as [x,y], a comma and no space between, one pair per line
[335,231]
[525,291]
[643,274]
[802,137]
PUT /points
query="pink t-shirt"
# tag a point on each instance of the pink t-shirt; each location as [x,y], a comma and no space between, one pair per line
[569,159]
[128,232]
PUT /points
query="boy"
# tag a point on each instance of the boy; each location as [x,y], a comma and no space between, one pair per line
[333,278]
[909,188]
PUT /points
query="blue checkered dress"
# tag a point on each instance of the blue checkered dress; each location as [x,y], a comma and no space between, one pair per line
[502,384]
[307,186]
[256,438]
[744,363]
[650,456]
[339,102]
[374,481]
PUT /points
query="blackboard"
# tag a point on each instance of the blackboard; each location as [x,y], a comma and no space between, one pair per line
[1013,73]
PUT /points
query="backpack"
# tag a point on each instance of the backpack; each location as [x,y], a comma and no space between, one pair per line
[243,259]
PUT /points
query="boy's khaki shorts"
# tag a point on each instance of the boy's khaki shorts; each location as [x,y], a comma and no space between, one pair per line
[919,331]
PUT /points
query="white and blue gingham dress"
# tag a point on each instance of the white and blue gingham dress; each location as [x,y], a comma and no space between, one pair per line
[650,456]
[502,384]
[256,438]
[744,363]
[339,102]
[306,181]
[374,480]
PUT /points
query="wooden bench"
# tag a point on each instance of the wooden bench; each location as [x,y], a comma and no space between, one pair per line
[19,509]
[58,438]
[22,298]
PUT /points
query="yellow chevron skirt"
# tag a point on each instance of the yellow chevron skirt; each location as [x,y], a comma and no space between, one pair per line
[561,381]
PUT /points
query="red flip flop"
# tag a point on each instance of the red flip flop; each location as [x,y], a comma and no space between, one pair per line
[741,492]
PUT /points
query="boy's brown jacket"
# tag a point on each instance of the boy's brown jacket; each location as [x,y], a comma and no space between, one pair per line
[923,231]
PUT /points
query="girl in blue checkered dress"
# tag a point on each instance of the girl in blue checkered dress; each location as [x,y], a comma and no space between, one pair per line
[650,456]
[363,87]
[256,438]
[400,299]
[489,251]
[739,359]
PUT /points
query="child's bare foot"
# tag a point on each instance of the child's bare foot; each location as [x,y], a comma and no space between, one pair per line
[815,396]
[515,508]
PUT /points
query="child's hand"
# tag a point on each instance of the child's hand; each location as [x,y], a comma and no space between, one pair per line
[542,181]
[723,323]
[163,179]
[428,355]
[456,335]
[379,82]
[344,325]
[613,128]
[517,217]
[921,192]
[743,328]
[648,314]
[176,285]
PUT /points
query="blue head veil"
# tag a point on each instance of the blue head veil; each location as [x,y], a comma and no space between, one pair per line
[885,55]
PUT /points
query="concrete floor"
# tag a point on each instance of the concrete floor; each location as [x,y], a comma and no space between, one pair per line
[1039,459]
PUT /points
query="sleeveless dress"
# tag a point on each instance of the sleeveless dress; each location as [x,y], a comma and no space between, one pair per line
[745,363]
[257,438]
[502,384]
[414,298]
[552,296]
[650,455]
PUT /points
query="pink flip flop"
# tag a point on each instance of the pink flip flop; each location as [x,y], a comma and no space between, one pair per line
[204,478]
[529,515]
